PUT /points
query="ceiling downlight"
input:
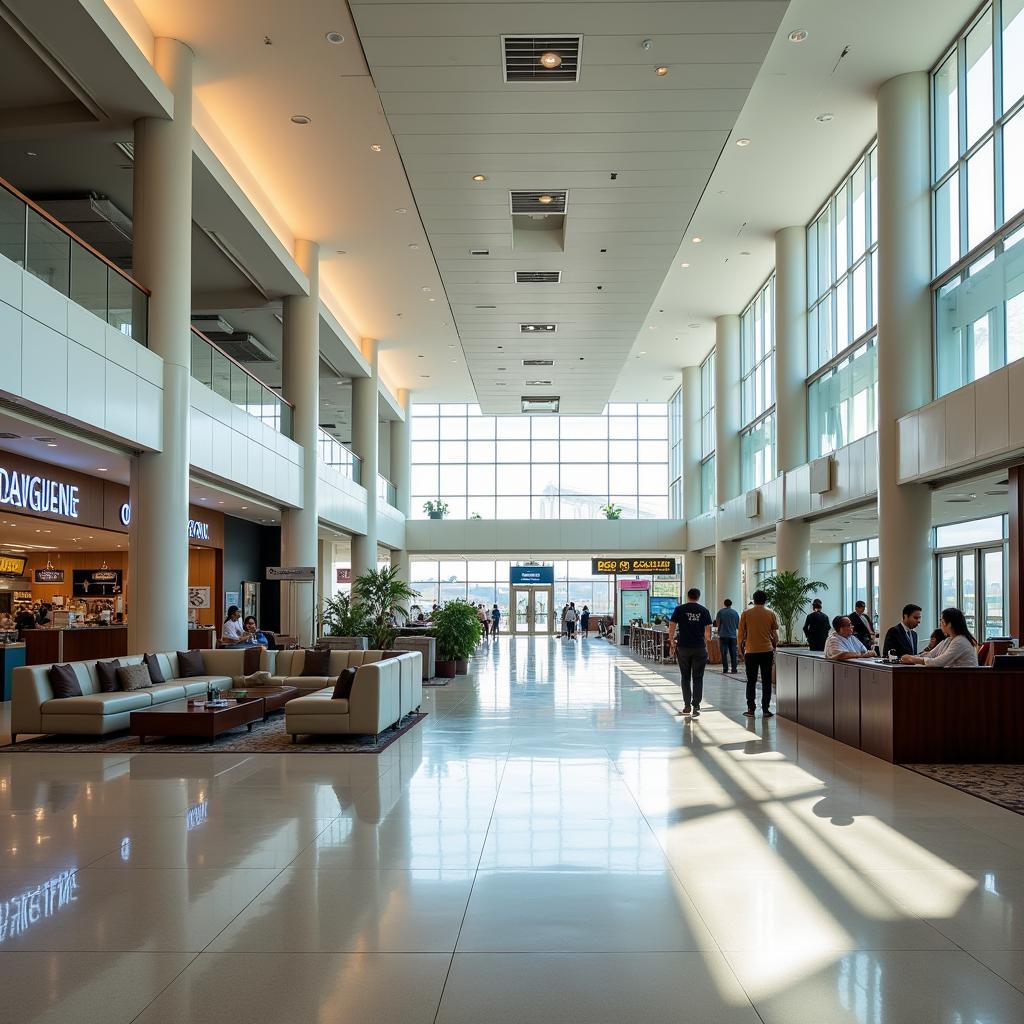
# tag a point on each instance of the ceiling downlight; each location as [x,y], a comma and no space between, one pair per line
[541,58]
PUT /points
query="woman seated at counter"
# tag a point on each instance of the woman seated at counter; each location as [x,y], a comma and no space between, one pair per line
[958,650]
[842,645]
[254,636]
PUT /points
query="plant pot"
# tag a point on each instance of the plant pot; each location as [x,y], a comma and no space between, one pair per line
[445,669]
[461,666]
[435,515]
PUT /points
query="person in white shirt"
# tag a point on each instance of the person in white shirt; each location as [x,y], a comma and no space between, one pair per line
[232,632]
[841,644]
[571,615]
[958,650]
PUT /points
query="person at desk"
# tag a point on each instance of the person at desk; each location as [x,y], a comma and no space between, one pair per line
[232,633]
[254,636]
[935,638]
[43,615]
[902,638]
[958,650]
[841,644]
[862,624]
[816,627]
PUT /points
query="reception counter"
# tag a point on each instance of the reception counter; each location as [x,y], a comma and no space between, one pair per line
[907,714]
[84,643]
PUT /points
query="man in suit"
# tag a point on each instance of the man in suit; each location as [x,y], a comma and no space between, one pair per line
[902,638]
[862,625]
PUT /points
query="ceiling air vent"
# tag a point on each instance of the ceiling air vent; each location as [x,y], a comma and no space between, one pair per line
[552,201]
[538,383]
[538,276]
[212,323]
[540,403]
[538,328]
[243,347]
[479,252]
[538,362]
[541,58]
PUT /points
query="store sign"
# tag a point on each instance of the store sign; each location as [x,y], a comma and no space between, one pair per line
[651,566]
[294,573]
[12,565]
[48,576]
[634,584]
[531,575]
[197,529]
[343,575]
[38,494]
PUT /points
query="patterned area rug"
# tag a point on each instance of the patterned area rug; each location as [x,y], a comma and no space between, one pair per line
[267,737]
[1001,784]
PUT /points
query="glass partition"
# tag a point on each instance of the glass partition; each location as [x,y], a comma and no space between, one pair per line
[50,252]
[387,491]
[334,454]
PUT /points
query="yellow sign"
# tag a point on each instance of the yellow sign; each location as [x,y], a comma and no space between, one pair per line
[12,566]
[651,566]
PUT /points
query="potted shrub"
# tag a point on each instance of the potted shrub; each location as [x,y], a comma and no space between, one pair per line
[611,511]
[457,631]
[788,594]
[435,509]
[343,624]
[381,593]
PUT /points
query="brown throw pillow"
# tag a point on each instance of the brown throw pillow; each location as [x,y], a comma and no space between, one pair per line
[106,674]
[343,687]
[134,677]
[64,682]
[316,663]
[190,663]
[155,673]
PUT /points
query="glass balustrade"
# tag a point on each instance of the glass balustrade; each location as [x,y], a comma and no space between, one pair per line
[386,491]
[334,454]
[49,251]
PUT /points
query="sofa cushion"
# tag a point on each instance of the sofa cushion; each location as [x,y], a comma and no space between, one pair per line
[163,692]
[156,674]
[321,702]
[106,675]
[98,704]
[343,687]
[316,663]
[190,664]
[196,686]
[64,682]
[134,677]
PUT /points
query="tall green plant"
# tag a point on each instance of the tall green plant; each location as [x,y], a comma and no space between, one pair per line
[341,616]
[788,595]
[382,593]
[456,628]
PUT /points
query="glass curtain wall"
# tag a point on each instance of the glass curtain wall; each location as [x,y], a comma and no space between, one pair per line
[842,315]
[541,467]
[978,197]
[675,455]
[860,576]
[971,573]
[708,486]
[757,387]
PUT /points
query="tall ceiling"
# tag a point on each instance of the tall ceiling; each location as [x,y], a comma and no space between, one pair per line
[633,151]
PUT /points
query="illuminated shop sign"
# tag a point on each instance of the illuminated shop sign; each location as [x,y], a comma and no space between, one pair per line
[197,529]
[22,912]
[12,565]
[650,566]
[48,575]
[38,494]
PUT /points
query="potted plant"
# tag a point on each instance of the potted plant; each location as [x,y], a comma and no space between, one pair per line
[436,509]
[343,623]
[457,631]
[381,593]
[788,594]
[612,511]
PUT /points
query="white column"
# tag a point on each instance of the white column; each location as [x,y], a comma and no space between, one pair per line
[791,347]
[301,366]
[693,571]
[904,339]
[324,571]
[728,409]
[728,574]
[162,261]
[691,442]
[793,546]
[401,472]
[365,427]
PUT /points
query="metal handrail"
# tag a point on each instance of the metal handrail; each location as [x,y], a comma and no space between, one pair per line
[336,455]
[241,366]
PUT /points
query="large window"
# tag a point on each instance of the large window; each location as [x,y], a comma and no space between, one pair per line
[977,190]
[842,314]
[971,565]
[757,387]
[860,577]
[675,455]
[541,467]
[707,433]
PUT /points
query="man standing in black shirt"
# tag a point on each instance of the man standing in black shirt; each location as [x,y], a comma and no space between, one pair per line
[689,630]
[816,627]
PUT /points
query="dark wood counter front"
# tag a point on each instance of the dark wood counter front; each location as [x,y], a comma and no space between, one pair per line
[89,643]
[906,714]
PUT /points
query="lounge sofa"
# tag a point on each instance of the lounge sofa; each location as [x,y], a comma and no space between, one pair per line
[427,646]
[35,710]
[388,685]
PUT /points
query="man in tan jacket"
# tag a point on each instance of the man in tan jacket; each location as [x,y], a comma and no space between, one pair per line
[758,638]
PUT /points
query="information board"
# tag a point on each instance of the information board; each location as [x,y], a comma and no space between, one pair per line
[627,566]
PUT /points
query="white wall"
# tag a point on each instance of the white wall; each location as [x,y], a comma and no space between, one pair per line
[391,530]
[341,502]
[854,478]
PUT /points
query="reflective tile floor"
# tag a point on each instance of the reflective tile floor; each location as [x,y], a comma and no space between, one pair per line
[552,845]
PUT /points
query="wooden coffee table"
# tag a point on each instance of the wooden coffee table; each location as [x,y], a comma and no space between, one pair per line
[274,697]
[176,718]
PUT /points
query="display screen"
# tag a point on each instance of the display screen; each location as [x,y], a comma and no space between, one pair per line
[663,606]
[96,582]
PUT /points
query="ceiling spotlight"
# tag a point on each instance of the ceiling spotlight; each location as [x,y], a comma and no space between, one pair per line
[301,119]
[798,35]
[742,142]
[545,200]
[744,252]
[413,245]
[376,147]
[101,469]
[661,72]
[431,299]
[29,152]
[341,252]
[684,266]
[425,288]
[643,353]
[425,376]
[335,37]
[697,239]
[401,209]
[694,327]
[479,177]
[824,118]
[550,60]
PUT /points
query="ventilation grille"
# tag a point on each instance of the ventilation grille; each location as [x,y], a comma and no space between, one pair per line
[538,328]
[538,362]
[242,347]
[540,403]
[538,276]
[552,201]
[538,383]
[522,58]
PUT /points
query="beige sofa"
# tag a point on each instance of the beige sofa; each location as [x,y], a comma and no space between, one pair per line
[427,646]
[35,710]
[388,686]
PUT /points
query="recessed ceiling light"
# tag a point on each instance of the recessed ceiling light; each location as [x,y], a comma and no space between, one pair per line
[798,35]
[479,177]
[413,245]
[550,60]
[694,327]
[653,327]
[425,288]
[29,152]
[455,360]
[335,37]
[51,444]
[431,299]
[220,502]
[545,200]
[425,376]
[421,357]
[301,119]
[244,507]
[742,142]
[451,346]
[376,147]
[101,469]
[684,266]
[744,252]
[824,118]
[696,239]
[643,353]
[661,72]
[341,252]
[401,209]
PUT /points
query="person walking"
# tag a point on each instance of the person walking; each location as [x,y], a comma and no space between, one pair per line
[481,614]
[758,637]
[689,631]
[495,620]
[816,627]
[727,622]
[571,615]
[585,622]
[561,622]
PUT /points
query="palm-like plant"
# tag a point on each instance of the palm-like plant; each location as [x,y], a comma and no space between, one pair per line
[382,594]
[788,594]
[341,616]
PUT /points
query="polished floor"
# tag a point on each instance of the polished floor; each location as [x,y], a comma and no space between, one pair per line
[551,845]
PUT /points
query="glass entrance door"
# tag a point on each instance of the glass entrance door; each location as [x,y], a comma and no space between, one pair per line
[540,611]
[532,610]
